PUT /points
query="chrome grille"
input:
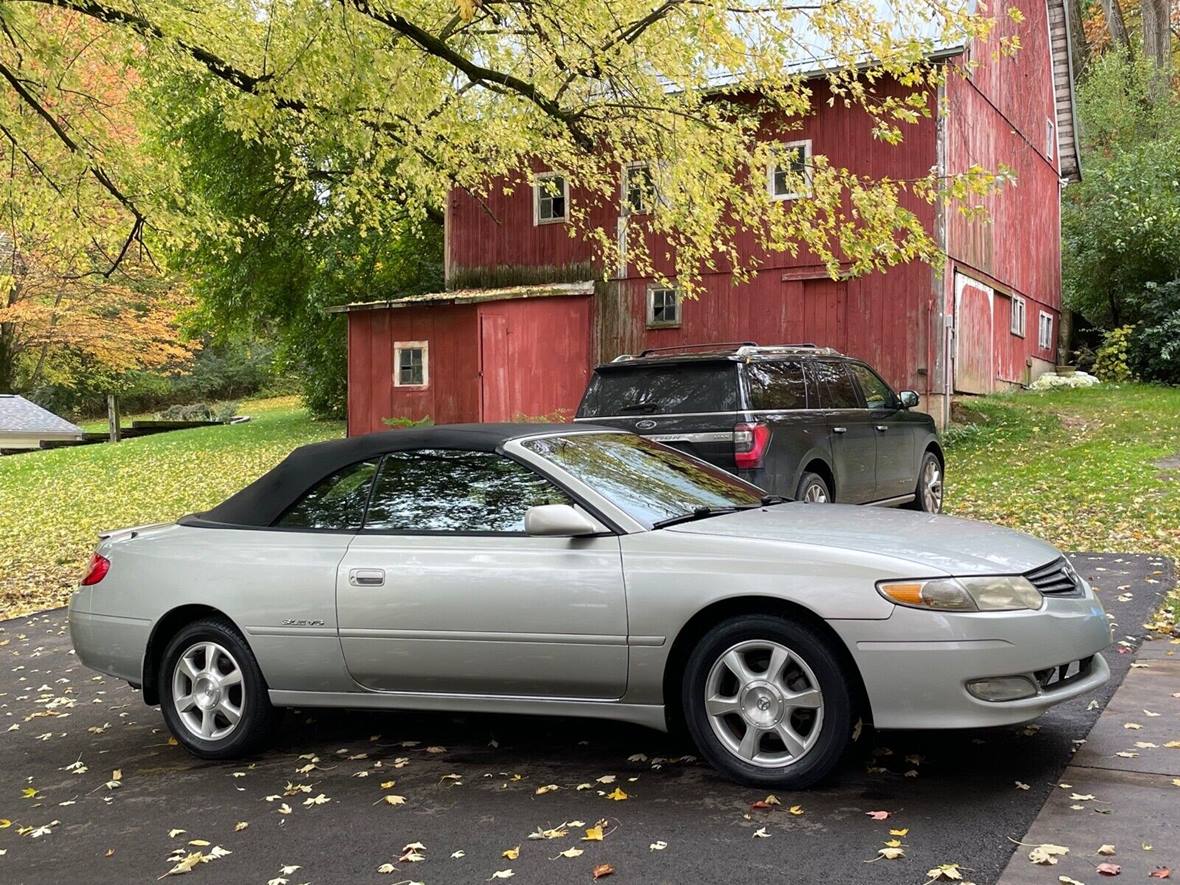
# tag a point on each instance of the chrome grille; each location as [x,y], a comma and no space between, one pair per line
[1056,579]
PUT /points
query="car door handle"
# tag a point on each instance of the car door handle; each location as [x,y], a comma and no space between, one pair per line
[882,427]
[367,577]
[839,430]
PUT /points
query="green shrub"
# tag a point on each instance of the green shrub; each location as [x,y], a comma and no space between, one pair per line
[1111,361]
[1155,345]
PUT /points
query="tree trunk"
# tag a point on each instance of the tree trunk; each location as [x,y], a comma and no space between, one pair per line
[7,359]
[1114,24]
[1157,40]
[1079,48]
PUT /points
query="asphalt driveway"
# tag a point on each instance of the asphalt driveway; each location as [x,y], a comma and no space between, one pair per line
[92,790]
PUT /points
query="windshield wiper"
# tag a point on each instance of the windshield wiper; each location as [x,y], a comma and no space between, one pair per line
[771,500]
[648,407]
[702,512]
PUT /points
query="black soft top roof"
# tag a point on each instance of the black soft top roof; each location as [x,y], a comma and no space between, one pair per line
[269,496]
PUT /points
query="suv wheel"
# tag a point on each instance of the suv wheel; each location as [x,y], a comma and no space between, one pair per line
[767,702]
[928,493]
[212,693]
[813,489]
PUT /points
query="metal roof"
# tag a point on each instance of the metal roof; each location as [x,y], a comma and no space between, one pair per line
[473,296]
[19,416]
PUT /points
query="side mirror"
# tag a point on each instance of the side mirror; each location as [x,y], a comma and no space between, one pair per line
[909,398]
[558,520]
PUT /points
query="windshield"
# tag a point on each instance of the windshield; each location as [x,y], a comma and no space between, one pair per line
[649,481]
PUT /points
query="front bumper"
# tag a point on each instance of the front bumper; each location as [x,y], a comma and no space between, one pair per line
[916,664]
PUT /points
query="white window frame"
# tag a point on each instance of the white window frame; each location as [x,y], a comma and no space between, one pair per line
[538,193]
[624,186]
[773,165]
[652,322]
[1050,139]
[398,348]
[1018,322]
[1045,330]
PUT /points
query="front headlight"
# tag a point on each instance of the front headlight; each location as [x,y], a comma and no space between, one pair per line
[998,593]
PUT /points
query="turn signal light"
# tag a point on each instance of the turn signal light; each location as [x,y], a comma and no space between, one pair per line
[750,442]
[99,566]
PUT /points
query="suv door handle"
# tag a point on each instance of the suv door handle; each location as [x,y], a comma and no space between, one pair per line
[882,427]
[366,577]
[839,430]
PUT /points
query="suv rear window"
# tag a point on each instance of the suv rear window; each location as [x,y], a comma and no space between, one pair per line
[776,386]
[662,390]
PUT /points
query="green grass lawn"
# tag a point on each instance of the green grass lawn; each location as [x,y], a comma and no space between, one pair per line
[53,503]
[1077,468]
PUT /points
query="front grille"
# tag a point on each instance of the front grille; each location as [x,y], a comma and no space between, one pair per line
[1056,579]
[1058,677]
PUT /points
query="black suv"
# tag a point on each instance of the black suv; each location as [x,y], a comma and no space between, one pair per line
[799,421]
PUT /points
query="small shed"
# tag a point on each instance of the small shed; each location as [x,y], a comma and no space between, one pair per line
[24,425]
[503,354]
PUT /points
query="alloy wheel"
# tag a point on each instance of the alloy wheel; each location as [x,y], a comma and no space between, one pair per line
[208,691]
[815,494]
[764,703]
[932,486]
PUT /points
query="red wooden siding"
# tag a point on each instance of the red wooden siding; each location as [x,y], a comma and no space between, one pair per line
[494,361]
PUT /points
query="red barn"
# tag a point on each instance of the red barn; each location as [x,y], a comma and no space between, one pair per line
[985,318]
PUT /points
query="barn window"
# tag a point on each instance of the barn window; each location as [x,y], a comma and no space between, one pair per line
[663,306]
[1050,139]
[638,188]
[411,367]
[788,176]
[1018,322]
[1045,331]
[550,198]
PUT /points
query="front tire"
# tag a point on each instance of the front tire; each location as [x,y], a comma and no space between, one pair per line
[928,492]
[212,693]
[767,702]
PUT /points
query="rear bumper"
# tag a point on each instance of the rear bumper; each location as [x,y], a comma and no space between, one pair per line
[109,644]
[916,664]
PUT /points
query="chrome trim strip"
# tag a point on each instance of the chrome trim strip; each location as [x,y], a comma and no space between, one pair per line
[889,502]
[290,631]
[646,641]
[482,636]
[718,436]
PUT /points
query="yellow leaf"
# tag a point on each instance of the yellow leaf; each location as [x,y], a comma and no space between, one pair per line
[893,843]
[772,800]
[29,792]
[388,785]
[902,832]
[501,874]
[593,834]
[570,852]
[200,843]
[1106,850]
[890,853]
[511,853]
[241,825]
[548,788]
[392,799]
[616,794]
[796,809]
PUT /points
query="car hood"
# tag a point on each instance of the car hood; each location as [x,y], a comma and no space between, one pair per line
[938,543]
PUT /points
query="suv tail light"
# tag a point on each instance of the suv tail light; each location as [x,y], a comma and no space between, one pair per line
[749,444]
[99,566]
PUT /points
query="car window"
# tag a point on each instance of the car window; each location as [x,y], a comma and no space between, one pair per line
[662,390]
[877,393]
[835,386]
[776,385]
[649,481]
[337,502]
[442,490]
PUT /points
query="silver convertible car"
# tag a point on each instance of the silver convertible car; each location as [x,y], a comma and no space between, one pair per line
[581,571]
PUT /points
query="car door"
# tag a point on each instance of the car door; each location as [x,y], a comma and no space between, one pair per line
[777,395]
[442,591]
[854,442]
[895,434]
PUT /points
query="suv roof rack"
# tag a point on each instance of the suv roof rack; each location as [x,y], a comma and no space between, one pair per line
[737,348]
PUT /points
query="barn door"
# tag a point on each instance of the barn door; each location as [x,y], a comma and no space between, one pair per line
[974,348]
[494,396]
[825,310]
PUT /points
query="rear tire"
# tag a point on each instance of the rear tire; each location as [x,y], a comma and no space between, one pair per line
[212,692]
[813,489]
[928,492]
[767,702]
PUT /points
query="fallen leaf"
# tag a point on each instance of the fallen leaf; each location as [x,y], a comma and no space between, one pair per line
[1080,797]
[761,833]
[388,785]
[890,852]
[511,853]
[1047,853]
[1022,786]
[593,834]
[878,815]
[548,788]
[570,852]
[241,825]
[658,846]
[902,832]
[617,794]
[795,810]
[1066,880]
[392,799]
[945,872]
[455,855]
[1109,869]
[602,870]
[501,874]
[1106,850]
[1160,873]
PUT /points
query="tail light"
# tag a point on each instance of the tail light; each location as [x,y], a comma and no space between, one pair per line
[99,566]
[750,442]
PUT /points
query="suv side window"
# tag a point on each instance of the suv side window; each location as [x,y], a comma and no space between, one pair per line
[877,394]
[835,385]
[446,490]
[776,385]
[336,502]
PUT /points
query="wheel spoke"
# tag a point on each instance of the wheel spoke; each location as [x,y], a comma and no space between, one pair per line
[208,723]
[190,669]
[719,706]
[233,677]
[751,742]
[233,714]
[807,700]
[737,666]
[792,741]
[185,703]
[778,659]
[211,653]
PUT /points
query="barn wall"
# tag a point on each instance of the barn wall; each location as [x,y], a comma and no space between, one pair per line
[453,390]
[997,116]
